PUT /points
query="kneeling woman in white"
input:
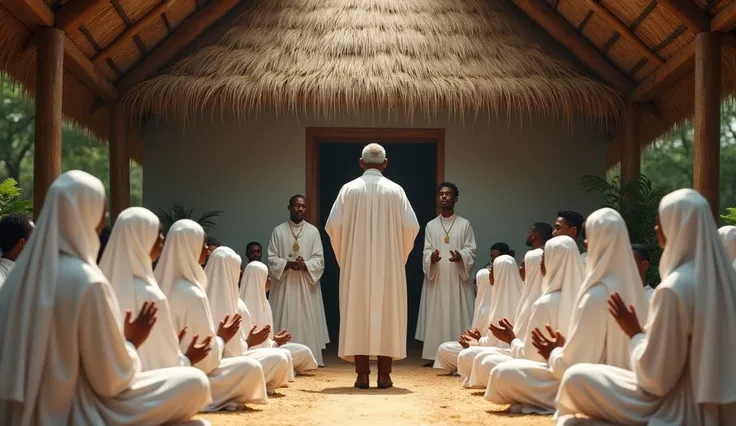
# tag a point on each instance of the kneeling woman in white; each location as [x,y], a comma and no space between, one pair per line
[594,336]
[234,381]
[683,363]
[253,287]
[563,275]
[447,353]
[63,359]
[507,286]
[222,271]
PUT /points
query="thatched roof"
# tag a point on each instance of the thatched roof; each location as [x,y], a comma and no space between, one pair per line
[560,57]
[468,56]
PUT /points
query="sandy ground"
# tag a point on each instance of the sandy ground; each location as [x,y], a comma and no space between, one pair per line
[421,396]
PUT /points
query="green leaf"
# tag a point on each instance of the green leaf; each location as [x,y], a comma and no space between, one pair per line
[208,219]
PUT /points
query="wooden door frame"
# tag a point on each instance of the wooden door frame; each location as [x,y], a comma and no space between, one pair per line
[317,135]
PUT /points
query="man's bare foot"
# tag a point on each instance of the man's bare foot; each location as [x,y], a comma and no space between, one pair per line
[363,381]
[384,381]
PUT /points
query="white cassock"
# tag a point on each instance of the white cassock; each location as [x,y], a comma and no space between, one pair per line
[296,296]
[223,271]
[593,335]
[728,236]
[584,258]
[71,363]
[649,291]
[6,265]
[253,293]
[683,364]
[235,381]
[532,289]
[446,305]
[372,229]
[447,353]
[507,287]
[561,284]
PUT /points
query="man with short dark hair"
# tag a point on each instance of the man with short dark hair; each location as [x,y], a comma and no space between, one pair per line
[253,251]
[641,257]
[212,245]
[538,235]
[15,230]
[572,224]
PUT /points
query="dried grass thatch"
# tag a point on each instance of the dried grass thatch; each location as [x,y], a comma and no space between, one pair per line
[465,56]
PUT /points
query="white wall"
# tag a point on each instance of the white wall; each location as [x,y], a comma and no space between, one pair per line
[509,175]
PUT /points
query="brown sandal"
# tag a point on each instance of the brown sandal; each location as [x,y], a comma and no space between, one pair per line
[362,381]
[384,381]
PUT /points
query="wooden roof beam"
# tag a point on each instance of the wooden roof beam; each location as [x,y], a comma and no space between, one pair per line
[725,21]
[625,31]
[75,13]
[560,30]
[185,33]
[666,75]
[35,13]
[689,13]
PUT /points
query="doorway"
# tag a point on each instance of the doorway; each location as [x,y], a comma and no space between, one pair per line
[416,162]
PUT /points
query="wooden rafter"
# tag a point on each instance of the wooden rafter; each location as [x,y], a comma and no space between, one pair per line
[185,33]
[35,13]
[74,13]
[625,31]
[689,13]
[725,21]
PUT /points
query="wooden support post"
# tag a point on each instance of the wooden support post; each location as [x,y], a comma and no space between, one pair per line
[49,81]
[707,149]
[119,160]
[631,146]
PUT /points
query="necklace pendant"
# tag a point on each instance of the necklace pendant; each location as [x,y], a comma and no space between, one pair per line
[447,239]
[296,246]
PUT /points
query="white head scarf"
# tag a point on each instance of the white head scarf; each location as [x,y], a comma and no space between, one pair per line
[72,210]
[180,256]
[482,311]
[611,265]
[128,255]
[728,235]
[507,286]
[564,273]
[223,271]
[695,252]
[253,293]
[532,290]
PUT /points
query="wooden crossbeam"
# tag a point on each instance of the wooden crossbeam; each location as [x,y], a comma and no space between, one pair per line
[75,13]
[625,31]
[666,75]
[725,21]
[185,33]
[689,13]
[35,13]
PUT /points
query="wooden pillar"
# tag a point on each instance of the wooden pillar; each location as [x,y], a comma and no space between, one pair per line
[49,81]
[707,165]
[631,146]
[119,161]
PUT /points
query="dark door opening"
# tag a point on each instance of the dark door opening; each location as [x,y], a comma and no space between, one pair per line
[413,165]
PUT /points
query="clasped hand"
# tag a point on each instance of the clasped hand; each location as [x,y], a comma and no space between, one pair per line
[505,332]
[229,327]
[297,265]
[137,331]
[454,256]
[625,317]
[545,345]
[196,352]
[255,338]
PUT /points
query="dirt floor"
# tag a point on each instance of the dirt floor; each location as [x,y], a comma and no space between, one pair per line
[421,396]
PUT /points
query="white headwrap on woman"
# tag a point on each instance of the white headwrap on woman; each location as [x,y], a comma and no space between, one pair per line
[482,311]
[728,235]
[180,256]
[611,264]
[222,271]
[695,251]
[253,293]
[67,225]
[564,273]
[531,292]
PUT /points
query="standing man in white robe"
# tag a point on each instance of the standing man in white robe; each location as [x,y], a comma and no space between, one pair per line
[682,365]
[71,364]
[446,305]
[641,257]
[296,263]
[15,230]
[372,229]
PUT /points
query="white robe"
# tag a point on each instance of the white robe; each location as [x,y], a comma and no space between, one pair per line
[649,291]
[296,296]
[6,265]
[71,365]
[682,364]
[372,228]
[234,381]
[446,304]
[593,335]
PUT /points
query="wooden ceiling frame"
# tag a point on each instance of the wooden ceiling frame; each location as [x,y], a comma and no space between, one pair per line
[75,13]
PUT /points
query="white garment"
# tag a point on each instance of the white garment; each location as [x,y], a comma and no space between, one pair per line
[682,364]
[591,336]
[649,291]
[70,363]
[234,381]
[372,228]
[296,296]
[253,293]
[728,235]
[223,271]
[6,265]
[446,304]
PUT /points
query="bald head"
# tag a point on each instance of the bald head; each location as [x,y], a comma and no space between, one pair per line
[373,156]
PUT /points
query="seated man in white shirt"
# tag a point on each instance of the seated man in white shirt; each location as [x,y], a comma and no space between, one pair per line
[15,230]
[641,257]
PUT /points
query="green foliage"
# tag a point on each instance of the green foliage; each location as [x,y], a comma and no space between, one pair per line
[10,201]
[638,204]
[177,212]
[730,217]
